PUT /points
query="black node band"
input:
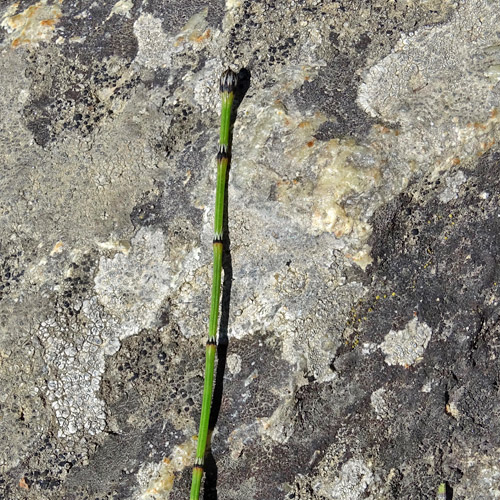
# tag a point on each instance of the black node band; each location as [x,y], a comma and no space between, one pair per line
[222,154]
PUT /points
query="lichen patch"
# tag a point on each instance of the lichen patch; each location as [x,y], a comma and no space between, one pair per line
[405,347]
[133,286]
[35,24]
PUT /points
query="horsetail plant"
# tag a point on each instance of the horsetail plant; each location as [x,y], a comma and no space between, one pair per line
[228,82]
[441,492]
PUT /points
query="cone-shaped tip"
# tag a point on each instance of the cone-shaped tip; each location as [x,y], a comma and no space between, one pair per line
[228,81]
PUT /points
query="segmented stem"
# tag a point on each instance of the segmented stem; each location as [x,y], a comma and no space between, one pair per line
[227,86]
[441,492]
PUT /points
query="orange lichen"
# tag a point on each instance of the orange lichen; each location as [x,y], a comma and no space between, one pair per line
[34,24]
[386,130]
[57,248]
[488,145]
[48,22]
[201,38]
[23,484]
[179,41]
[479,126]
[195,30]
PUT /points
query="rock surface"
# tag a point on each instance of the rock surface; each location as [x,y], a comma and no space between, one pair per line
[359,353]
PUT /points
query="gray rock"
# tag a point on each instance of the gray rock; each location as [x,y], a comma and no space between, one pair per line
[358,353]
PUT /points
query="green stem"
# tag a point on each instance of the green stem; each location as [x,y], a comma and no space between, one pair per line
[441,492]
[227,86]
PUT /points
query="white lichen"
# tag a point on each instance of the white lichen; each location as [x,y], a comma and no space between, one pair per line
[74,357]
[406,347]
[453,183]
[133,286]
[378,401]
[436,88]
[130,291]
[351,483]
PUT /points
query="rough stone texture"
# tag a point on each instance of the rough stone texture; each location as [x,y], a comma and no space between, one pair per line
[359,354]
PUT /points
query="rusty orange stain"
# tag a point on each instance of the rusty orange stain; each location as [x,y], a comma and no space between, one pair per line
[23,484]
[310,144]
[456,160]
[494,112]
[179,40]
[57,248]
[204,36]
[286,182]
[487,145]
[386,130]
[20,19]
[303,124]
[34,23]
[49,22]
